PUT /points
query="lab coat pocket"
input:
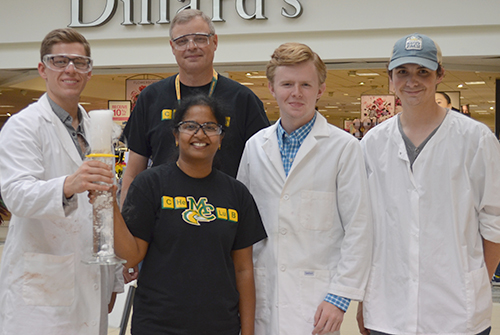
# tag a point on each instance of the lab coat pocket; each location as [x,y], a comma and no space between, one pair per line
[262,308]
[479,305]
[316,210]
[48,280]
[313,289]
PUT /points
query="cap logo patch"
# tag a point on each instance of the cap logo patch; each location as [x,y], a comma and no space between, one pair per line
[413,43]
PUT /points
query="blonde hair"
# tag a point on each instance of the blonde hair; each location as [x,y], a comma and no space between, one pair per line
[294,53]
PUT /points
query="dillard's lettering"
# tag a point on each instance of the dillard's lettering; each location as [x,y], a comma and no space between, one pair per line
[164,13]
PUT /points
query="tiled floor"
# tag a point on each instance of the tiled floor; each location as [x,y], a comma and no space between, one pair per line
[349,326]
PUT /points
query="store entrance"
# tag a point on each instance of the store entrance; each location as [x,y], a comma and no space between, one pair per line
[341,102]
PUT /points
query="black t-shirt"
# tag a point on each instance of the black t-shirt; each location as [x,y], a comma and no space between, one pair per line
[187,281]
[149,130]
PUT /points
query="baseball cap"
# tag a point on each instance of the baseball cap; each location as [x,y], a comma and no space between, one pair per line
[416,49]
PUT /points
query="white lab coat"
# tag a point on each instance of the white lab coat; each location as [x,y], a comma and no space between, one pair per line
[45,288]
[428,274]
[318,222]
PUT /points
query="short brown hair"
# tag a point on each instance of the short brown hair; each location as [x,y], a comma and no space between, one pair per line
[64,35]
[187,15]
[295,53]
[439,70]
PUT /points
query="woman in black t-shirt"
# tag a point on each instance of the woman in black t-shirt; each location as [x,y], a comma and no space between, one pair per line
[194,227]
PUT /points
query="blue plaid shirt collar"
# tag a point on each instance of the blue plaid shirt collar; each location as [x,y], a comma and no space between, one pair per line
[290,143]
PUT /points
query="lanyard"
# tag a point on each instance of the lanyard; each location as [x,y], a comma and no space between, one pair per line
[212,86]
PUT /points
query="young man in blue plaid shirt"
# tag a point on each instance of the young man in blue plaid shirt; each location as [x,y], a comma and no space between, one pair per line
[309,182]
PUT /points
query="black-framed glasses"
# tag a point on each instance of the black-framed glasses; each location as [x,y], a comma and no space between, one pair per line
[59,62]
[200,40]
[192,127]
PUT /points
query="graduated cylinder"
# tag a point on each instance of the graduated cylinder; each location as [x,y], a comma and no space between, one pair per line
[101,145]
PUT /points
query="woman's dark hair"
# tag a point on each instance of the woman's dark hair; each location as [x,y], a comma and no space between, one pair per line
[215,106]
[446,96]
[200,100]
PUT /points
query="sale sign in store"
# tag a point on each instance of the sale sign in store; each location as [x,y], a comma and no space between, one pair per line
[121,110]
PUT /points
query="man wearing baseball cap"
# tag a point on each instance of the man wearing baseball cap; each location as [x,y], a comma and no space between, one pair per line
[434,178]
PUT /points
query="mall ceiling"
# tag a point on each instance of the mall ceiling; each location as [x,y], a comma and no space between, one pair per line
[341,100]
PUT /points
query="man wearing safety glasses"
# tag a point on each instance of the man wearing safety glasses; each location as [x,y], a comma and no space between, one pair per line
[149,130]
[44,285]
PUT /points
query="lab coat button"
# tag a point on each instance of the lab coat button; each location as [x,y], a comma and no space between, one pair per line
[283,231]
[286,197]
[283,268]
[96,287]
[93,323]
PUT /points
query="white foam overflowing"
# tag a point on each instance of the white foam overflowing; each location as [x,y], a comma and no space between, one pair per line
[101,130]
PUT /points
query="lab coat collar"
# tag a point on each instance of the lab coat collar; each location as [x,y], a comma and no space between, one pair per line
[271,146]
[397,138]
[438,136]
[272,150]
[319,129]
[62,133]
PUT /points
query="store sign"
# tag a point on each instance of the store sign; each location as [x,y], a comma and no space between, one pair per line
[121,110]
[128,5]
[134,87]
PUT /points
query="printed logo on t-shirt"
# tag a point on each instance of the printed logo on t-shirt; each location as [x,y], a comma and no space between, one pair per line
[227,214]
[228,121]
[167,114]
[199,211]
[173,202]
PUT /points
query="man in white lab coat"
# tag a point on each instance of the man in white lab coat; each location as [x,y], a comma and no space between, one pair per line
[434,179]
[45,288]
[309,182]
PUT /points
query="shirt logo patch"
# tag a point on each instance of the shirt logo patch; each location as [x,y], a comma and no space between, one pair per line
[413,43]
[197,212]
[167,202]
[180,202]
[227,214]
[222,213]
[228,121]
[167,114]
[233,215]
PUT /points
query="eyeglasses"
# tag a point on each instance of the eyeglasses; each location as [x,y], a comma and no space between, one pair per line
[199,40]
[60,62]
[192,127]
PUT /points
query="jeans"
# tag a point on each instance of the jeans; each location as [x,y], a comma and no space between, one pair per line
[497,272]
